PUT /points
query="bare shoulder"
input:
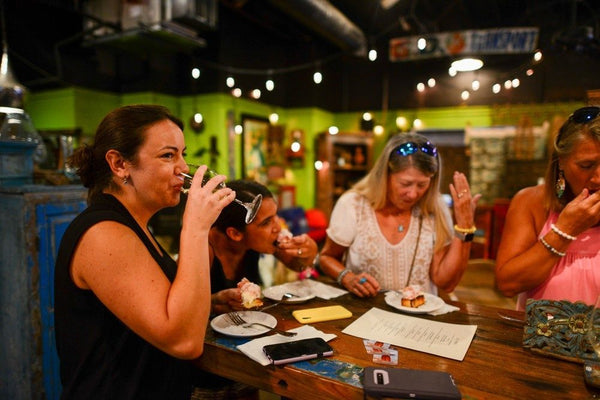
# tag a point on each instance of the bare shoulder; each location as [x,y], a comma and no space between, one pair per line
[528,205]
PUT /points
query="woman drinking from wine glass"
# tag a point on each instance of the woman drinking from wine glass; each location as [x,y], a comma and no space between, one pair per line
[550,246]
[128,316]
[392,229]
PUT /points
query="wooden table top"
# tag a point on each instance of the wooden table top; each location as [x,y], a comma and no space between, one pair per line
[496,366]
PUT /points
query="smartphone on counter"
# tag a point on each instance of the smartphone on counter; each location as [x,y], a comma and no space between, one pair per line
[409,384]
[297,350]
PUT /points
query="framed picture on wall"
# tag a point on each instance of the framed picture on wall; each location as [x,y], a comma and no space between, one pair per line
[254,148]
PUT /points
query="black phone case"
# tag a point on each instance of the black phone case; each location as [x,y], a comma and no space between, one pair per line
[409,384]
[297,350]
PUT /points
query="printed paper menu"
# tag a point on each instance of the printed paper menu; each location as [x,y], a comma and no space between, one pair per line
[439,338]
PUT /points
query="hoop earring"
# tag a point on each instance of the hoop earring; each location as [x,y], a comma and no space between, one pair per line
[560,184]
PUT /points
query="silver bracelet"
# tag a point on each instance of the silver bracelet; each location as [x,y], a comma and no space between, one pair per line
[552,249]
[560,233]
[341,276]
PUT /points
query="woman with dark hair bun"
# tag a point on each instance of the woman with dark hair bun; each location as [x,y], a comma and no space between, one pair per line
[236,246]
[128,316]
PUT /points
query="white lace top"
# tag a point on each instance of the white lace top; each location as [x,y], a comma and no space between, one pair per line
[353,224]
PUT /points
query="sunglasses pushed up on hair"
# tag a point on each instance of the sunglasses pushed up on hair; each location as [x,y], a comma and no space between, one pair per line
[408,148]
[581,116]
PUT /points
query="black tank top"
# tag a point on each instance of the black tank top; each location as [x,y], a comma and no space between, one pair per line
[100,357]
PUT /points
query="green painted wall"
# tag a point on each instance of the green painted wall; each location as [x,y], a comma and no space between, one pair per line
[82,108]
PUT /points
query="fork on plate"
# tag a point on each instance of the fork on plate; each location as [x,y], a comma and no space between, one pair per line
[239,321]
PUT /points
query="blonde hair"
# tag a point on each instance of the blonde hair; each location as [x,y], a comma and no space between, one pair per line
[569,135]
[374,186]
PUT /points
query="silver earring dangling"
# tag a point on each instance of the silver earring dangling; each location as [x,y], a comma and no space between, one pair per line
[560,184]
[125,181]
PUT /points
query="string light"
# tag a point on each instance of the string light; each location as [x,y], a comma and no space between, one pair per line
[421,87]
[237,92]
[269,85]
[465,95]
[401,122]
[431,82]
[372,54]
[333,130]
[273,118]
[230,82]
[256,93]
[195,73]
[238,129]
[317,77]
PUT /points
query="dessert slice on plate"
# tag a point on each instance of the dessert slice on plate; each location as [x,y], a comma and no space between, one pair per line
[412,296]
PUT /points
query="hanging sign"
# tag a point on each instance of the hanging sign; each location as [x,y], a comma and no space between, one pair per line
[461,43]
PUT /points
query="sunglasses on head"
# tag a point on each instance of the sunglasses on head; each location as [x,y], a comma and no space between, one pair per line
[585,114]
[581,116]
[408,148]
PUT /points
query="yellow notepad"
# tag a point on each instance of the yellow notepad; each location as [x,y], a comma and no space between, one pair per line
[318,314]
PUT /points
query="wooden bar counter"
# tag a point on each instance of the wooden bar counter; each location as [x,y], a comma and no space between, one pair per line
[496,366]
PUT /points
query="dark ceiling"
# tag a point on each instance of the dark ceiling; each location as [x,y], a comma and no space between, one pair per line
[49,47]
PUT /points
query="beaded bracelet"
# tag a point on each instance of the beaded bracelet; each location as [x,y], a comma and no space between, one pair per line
[560,233]
[465,230]
[341,275]
[552,249]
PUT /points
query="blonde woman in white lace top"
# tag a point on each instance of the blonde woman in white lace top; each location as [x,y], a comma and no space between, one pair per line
[393,229]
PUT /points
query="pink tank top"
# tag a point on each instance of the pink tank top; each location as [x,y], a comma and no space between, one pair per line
[576,276]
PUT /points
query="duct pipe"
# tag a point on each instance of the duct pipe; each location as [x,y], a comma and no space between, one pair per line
[322,17]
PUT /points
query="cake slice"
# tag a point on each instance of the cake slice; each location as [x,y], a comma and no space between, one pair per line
[251,293]
[412,296]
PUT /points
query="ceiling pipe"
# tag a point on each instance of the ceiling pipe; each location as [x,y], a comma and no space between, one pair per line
[326,20]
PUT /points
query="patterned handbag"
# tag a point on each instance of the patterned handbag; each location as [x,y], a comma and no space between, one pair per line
[558,329]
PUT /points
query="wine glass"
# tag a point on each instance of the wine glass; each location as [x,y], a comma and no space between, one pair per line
[592,368]
[251,207]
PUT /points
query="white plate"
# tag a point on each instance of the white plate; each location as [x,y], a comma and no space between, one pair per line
[302,291]
[432,303]
[224,325]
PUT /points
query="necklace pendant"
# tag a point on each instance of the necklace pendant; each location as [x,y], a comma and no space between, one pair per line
[400,228]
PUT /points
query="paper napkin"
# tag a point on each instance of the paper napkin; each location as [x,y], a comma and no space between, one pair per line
[254,348]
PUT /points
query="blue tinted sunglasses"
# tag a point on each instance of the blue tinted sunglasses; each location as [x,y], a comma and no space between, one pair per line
[408,148]
[581,116]
[585,114]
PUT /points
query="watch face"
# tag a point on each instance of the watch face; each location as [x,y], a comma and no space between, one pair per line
[465,237]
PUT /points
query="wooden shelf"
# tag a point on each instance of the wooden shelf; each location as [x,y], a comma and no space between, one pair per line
[346,157]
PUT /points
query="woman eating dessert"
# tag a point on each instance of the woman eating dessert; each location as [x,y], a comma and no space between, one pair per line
[550,247]
[392,229]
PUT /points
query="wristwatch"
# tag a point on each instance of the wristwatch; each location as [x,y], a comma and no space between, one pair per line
[464,236]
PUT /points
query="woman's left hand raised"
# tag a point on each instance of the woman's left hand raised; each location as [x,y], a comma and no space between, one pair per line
[462,199]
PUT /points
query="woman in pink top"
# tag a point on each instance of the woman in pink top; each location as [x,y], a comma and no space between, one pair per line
[550,247]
